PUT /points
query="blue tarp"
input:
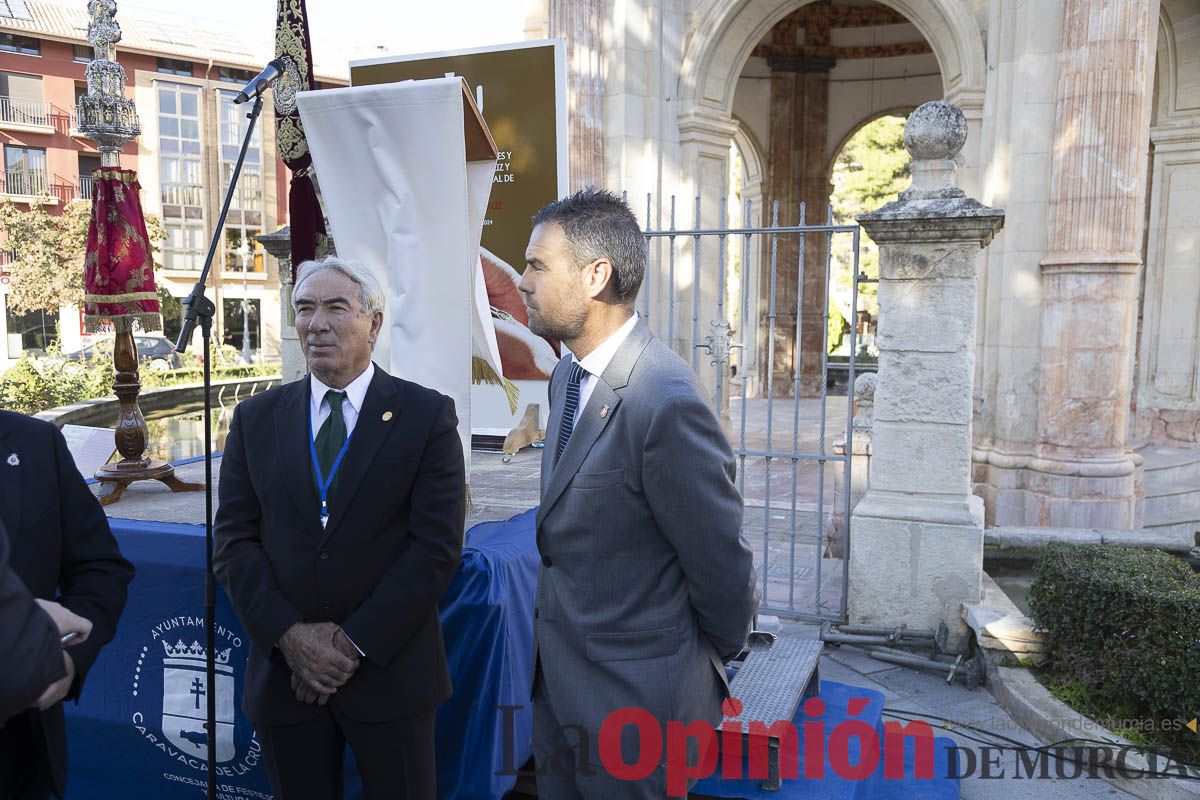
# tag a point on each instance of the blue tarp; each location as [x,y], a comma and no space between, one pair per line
[863,708]
[138,730]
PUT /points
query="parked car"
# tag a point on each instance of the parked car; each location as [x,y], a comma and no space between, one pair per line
[155,351]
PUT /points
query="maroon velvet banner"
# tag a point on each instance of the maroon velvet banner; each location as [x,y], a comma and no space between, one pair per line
[118,270]
[293,47]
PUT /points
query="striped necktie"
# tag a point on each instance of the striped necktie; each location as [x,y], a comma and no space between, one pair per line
[569,408]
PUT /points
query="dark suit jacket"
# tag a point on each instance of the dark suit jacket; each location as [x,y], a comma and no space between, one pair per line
[393,542]
[30,653]
[62,549]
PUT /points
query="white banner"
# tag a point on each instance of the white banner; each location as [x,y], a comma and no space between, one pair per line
[404,171]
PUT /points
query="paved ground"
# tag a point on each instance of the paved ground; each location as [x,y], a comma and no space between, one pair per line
[914,690]
[500,490]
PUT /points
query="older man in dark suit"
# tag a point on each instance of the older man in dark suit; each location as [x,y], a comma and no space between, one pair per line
[340,526]
[647,585]
[62,550]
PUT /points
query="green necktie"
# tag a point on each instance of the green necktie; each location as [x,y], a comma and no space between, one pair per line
[332,435]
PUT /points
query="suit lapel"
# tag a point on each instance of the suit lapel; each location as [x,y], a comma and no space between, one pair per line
[370,432]
[587,431]
[292,435]
[553,424]
[606,392]
[10,482]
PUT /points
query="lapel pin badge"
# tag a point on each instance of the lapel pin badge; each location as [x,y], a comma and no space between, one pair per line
[387,416]
[14,460]
[603,412]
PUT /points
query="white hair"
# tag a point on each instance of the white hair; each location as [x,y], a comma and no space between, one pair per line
[373,298]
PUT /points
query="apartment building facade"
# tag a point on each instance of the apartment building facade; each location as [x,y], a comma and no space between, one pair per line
[191,134]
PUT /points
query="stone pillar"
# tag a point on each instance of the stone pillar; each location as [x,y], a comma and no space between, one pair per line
[782,208]
[799,119]
[916,538]
[860,463]
[279,245]
[1084,473]
[704,144]
[581,24]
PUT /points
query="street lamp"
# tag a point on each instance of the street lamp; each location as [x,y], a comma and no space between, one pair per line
[244,252]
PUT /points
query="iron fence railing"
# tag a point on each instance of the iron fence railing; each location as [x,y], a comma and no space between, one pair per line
[779,437]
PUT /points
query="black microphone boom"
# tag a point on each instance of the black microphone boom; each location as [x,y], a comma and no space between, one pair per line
[259,83]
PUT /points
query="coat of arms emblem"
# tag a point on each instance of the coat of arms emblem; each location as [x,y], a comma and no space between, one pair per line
[185,700]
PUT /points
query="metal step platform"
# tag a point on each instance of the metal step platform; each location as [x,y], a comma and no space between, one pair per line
[771,683]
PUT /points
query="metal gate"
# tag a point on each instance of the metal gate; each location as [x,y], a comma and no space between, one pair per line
[797,524]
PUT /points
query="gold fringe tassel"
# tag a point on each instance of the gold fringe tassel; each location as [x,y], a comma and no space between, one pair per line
[482,372]
[146,321]
[131,297]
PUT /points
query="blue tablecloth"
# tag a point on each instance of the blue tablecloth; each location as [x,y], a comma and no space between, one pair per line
[137,731]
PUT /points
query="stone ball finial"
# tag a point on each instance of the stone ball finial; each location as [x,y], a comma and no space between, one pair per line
[937,129]
[864,386]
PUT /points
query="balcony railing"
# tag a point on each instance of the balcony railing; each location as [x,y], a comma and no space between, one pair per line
[24,182]
[83,189]
[15,110]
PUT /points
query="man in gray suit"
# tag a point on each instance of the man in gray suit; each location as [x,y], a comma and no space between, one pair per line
[646,586]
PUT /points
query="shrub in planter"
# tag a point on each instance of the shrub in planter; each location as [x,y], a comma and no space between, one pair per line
[1125,623]
[36,384]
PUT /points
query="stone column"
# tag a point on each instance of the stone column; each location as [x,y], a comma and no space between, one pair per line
[799,120]
[581,24]
[860,463]
[279,245]
[1084,473]
[916,538]
[704,144]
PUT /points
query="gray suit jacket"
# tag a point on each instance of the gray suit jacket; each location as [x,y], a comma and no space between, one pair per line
[646,585]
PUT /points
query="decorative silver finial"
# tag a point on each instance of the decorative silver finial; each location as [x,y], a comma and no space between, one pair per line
[106,116]
[934,136]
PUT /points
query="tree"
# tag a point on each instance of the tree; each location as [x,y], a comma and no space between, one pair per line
[872,168]
[870,171]
[47,270]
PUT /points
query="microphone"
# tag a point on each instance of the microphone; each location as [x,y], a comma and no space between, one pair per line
[259,83]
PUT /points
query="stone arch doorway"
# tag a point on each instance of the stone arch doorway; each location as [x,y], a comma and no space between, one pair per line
[718,51]
[1167,390]
[770,66]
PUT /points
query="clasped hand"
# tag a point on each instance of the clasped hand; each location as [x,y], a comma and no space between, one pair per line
[321,657]
[66,622]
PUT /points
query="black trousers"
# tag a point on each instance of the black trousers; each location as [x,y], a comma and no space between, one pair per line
[24,770]
[395,759]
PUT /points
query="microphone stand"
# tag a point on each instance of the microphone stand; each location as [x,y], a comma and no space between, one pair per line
[199,309]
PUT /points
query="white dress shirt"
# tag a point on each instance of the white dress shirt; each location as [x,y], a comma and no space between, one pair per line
[356,392]
[595,362]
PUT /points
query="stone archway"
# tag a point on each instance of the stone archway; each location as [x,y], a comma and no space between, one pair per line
[718,50]
[712,63]
[1167,390]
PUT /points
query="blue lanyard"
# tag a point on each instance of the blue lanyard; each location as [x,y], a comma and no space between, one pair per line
[323,484]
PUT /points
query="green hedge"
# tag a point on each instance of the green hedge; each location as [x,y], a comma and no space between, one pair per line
[1126,624]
